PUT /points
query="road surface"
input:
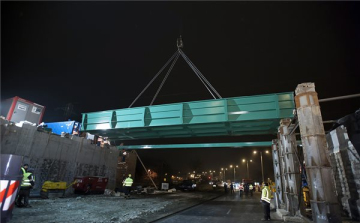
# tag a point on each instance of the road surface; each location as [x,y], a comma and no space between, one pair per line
[228,208]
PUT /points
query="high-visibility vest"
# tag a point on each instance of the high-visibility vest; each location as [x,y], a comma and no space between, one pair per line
[251,187]
[26,182]
[128,182]
[23,170]
[266,194]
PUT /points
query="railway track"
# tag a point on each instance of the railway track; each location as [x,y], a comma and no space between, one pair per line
[184,209]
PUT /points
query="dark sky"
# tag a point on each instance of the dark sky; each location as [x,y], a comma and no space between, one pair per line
[100,55]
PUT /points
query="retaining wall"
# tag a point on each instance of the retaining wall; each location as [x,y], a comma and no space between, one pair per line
[55,158]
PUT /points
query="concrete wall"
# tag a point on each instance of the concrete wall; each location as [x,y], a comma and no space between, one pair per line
[345,161]
[58,159]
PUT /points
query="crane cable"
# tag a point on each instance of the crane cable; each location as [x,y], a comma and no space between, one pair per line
[152,80]
[166,76]
[198,72]
[194,69]
[192,66]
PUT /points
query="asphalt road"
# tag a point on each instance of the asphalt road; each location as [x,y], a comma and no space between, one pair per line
[228,208]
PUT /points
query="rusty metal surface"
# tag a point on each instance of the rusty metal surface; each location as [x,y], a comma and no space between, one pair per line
[324,203]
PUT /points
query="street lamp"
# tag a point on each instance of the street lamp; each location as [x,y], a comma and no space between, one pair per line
[224,169]
[224,173]
[262,166]
[247,166]
[231,166]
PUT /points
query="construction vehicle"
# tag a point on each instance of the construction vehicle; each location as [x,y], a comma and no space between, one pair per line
[54,189]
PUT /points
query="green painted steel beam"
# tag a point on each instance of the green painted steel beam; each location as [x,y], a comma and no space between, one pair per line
[249,115]
[200,145]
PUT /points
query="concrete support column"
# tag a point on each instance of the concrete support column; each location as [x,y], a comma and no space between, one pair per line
[284,180]
[292,166]
[324,202]
[279,201]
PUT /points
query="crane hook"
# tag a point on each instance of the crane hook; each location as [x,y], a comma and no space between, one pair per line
[179,43]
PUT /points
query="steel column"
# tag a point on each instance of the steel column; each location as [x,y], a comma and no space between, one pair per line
[278,175]
[292,166]
[284,179]
[324,202]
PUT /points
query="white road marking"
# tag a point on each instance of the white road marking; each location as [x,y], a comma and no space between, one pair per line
[228,211]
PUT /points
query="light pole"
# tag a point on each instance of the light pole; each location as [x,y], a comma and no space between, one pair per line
[247,166]
[224,169]
[224,173]
[262,166]
[231,166]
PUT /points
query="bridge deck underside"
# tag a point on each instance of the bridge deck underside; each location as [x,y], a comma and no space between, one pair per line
[250,115]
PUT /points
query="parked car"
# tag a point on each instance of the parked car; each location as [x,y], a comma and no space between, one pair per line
[187,185]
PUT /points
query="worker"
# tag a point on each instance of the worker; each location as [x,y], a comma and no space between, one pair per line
[246,189]
[27,183]
[123,155]
[231,188]
[265,200]
[251,188]
[99,141]
[24,168]
[241,189]
[127,186]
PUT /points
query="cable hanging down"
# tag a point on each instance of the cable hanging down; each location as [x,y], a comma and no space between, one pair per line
[197,72]
[166,76]
[152,80]
[174,59]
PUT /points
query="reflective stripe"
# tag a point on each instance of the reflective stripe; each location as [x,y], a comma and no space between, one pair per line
[4,184]
[11,193]
[26,182]
[265,194]
[128,182]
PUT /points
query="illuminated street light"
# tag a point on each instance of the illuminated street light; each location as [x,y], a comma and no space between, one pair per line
[224,173]
[262,166]
[247,166]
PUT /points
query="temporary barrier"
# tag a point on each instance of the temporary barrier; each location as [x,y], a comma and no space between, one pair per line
[90,185]
[10,181]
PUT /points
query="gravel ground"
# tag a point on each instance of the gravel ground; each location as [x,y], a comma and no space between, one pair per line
[107,209]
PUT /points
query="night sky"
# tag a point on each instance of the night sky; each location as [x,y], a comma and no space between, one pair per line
[100,55]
